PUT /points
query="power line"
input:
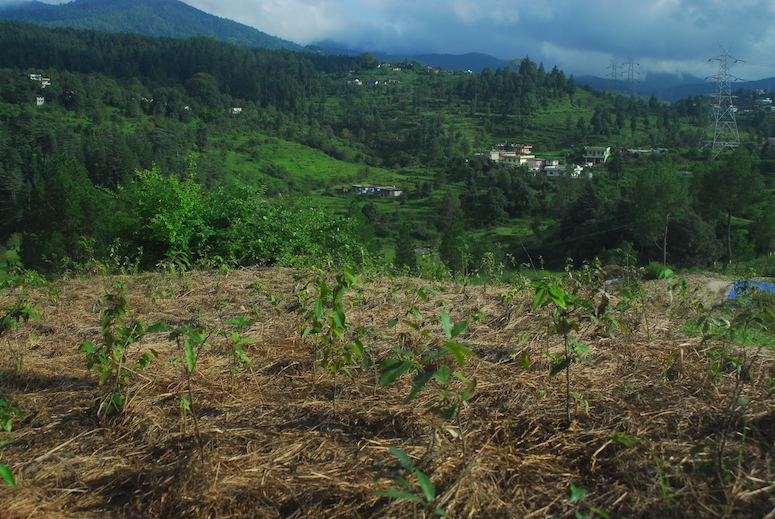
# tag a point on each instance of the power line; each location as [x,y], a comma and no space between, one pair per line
[613,77]
[631,73]
[722,109]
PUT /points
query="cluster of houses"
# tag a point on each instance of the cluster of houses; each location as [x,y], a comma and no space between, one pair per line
[44,82]
[358,82]
[522,155]
[375,190]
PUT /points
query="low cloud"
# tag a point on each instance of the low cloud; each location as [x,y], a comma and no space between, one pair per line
[578,37]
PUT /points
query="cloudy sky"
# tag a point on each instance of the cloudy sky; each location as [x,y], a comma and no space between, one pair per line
[579,37]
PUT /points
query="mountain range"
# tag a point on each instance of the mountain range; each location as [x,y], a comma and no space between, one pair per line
[176,19]
[167,18]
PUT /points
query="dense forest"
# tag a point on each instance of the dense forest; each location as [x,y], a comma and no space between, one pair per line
[147,150]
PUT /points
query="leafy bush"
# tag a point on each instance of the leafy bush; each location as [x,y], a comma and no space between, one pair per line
[653,270]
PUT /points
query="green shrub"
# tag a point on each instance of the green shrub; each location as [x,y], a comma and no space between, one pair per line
[653,270]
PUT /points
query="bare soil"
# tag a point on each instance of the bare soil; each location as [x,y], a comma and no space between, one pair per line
[277,444]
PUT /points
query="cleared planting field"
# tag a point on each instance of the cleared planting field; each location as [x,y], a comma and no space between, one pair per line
[661,425]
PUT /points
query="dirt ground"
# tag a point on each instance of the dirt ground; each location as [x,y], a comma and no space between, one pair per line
[280,439]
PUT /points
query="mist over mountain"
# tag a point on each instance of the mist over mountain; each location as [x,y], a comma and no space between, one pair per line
[176,19]
[168,18]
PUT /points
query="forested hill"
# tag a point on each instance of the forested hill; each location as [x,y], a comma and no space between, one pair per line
[168,18]
[253,151]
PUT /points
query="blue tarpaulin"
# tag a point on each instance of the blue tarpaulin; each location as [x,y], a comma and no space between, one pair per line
[740,287]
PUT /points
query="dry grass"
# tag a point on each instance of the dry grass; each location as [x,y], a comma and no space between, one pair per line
[275,448]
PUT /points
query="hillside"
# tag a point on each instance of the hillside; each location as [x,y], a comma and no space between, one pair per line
[660,424]
[302,128]
[167,18]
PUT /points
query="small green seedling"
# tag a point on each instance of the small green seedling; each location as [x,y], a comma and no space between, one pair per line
[14,315]
[328,321]
[111,358]
[417,488]
[8,413]
[430,366]
[564,321]
[238,342]
[190,341]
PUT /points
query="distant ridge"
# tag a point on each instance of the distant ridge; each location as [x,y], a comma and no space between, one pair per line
[671,87]
[168,18]
[473,61]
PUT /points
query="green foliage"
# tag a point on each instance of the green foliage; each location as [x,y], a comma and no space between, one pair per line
[8,413]
[15,314]
[167,215]
[12,319]
[417,488]
[731,187]
[238,342]
[327,320]
[453,249]
[405,256]
[435,365]
[64,207]
[112,357]
[747,320]
[693,242]
[304,132]
[173,21]
[654,270]
[569,308]
[190,341]
[661,195]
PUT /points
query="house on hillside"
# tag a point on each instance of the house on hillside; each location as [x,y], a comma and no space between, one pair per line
[509,158]
[44,81]
[554,169]
[596,155]
[521,149]
[236,110]
[40,100]
[380,191]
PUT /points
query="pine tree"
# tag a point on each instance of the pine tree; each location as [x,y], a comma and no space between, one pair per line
[405,256]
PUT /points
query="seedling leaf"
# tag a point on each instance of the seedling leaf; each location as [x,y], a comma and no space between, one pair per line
[7,475]
[459,328]
[558,297]
[393,369]
[459,351]
[445,324]
[399,494]
[403,457]
[559,367]
[428,488]
[576,493]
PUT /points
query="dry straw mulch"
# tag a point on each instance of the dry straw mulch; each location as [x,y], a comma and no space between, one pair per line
[277,445]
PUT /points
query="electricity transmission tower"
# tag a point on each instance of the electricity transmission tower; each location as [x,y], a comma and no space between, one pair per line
[613,77]
[722,109]
[631,73]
